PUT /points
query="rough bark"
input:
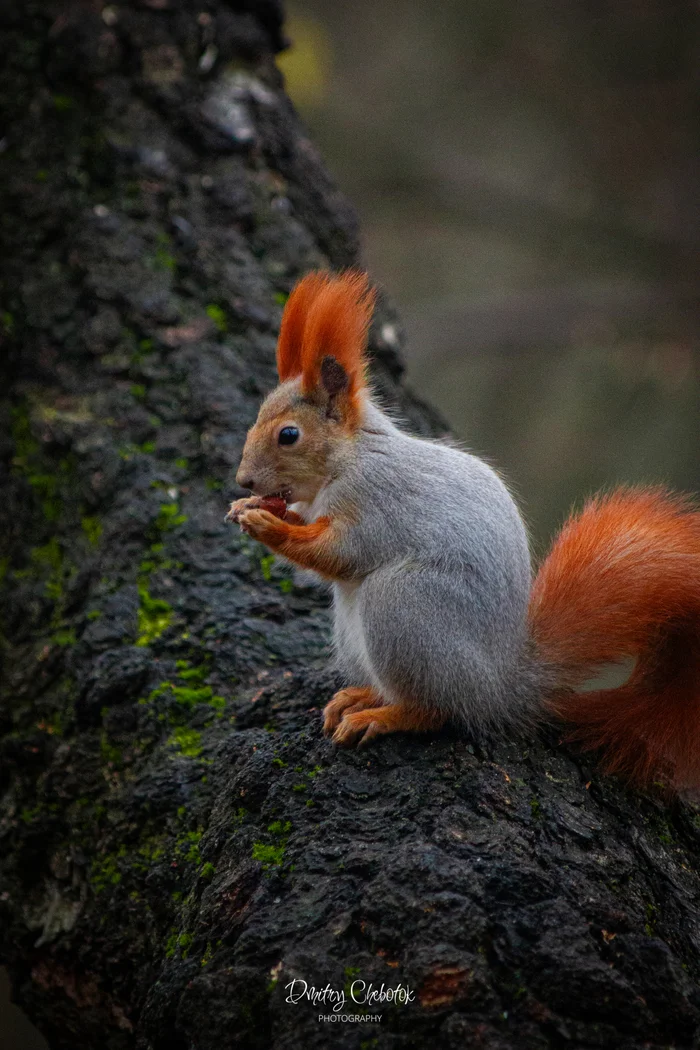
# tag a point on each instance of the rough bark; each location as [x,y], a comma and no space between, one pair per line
[178,841]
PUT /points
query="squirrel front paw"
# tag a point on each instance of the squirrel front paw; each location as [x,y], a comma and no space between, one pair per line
[260,524]
[238,506]
[275,505]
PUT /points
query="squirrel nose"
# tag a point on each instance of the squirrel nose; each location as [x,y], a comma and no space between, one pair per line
[244,482]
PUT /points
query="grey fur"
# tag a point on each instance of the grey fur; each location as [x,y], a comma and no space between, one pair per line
[436,607]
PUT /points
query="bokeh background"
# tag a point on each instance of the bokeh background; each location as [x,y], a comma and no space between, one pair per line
[527,177]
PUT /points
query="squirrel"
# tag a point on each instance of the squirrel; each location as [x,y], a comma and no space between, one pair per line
[437,617]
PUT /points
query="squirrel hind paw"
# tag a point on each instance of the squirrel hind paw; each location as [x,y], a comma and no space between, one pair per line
[357,728]
[345,701]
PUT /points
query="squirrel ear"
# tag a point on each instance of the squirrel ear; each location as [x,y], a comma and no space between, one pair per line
[335,382]
[334,378]
[296,312]
[335,338]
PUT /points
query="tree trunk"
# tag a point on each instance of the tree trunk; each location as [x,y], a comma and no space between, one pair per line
[179,842]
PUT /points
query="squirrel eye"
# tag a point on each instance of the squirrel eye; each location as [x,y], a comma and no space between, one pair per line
[288,435]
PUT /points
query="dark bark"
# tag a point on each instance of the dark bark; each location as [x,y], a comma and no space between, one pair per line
[177,838]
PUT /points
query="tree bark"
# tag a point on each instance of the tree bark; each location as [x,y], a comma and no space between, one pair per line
[179,842]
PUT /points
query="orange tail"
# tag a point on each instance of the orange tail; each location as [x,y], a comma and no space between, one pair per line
[623,580]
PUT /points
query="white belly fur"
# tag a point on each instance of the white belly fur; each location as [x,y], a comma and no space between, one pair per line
[350,636]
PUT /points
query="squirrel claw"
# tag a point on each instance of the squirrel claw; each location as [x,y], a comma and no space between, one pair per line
[357,728]
[347,735]
[346,701]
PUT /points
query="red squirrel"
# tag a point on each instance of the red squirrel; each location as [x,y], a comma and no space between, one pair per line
[436,613]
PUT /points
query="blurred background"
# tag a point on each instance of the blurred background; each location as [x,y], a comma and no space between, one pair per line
[527,177]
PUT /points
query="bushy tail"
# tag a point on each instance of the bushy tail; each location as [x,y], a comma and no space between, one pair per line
[623,580]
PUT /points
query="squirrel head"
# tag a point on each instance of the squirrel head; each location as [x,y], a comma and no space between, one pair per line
[304,427]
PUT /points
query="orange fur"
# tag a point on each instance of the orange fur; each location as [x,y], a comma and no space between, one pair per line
[291,338]
[623,580]
[361,726]
[337,326]
[310,546]
[326,315]
[353,698]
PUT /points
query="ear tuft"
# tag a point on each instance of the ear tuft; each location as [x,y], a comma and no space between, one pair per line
[336,327]
[291,338]
[326,319]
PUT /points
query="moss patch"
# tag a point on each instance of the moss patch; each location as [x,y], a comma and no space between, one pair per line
[271,854]
[155,616]
[187,741]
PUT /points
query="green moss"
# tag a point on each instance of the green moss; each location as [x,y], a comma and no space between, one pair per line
[188,696]
[154,617]
[26,445]
[193,855]
[208,952]
[28,463]
[163,260]
[350,973]
[650,924]
[300,787]
[138,390]
[169,517]
[266,563]
[214,485]
[105,870]
[207,871]
[188,741]
[111,754]
[92,527]
[62,103]
[535,808]
[152,849]
[64,637]
[182,463]
[191,674]
[218,316]
[281,298]
[279,827]
[7,321]
[49,556]
[272,854]
[268,855]
[171,943]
